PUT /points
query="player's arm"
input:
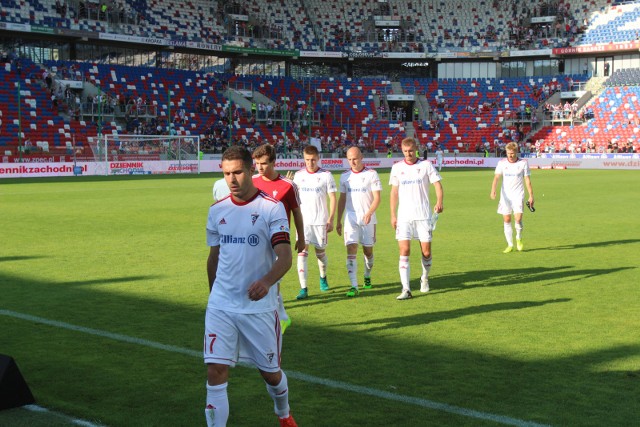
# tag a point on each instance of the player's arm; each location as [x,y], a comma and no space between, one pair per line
[332,211]
[373,207]
[494,185]
[299,222]
[212,265]
[393,202]
[527,183]
[282,247]
[439,207]
[342,202]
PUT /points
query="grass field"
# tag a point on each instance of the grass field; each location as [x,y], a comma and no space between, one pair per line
[103,288]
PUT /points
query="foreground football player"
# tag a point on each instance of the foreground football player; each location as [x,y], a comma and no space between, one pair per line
[248,235]
[411,211]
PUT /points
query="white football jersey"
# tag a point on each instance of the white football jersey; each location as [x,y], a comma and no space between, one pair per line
[314,188]
[413,188]
[359,188]
[244,232]
[512,178]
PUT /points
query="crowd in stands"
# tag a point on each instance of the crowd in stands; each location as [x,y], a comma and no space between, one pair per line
[286,25]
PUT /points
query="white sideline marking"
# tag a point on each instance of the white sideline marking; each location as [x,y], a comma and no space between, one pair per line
[76,421]
[424,403]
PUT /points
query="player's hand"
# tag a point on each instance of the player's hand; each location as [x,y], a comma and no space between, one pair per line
[438,208]
[531,201]
[329,227]
[289,174]
[493,195]
[258,290]
[366,219]
[300,245]
[339,229]
[394,223]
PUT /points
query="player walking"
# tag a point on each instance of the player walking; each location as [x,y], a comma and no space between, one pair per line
[284,190]
[360,194]
[515,175]
[411,211]
[315,185]
[248,235]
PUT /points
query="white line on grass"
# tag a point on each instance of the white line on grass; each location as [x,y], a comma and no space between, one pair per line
[424,403]
[76,421]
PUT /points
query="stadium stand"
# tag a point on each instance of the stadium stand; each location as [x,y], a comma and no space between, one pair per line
[614,125]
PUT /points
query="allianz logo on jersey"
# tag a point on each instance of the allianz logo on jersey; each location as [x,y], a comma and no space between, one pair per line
[410,181]
[252,239]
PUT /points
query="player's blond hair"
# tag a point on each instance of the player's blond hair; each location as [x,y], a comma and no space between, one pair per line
[408,142]
[512,146]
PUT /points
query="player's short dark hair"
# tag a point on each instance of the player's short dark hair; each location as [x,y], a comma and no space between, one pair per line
[237,152]
[311,150]
[265,150]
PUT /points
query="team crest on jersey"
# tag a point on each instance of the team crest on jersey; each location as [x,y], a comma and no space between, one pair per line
[254,218]
[270,357]
[275,193]
[222,221]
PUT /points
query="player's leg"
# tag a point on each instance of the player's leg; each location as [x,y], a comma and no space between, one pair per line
[278,389]
[367,251]
[404,267]
[323,262]
[368,239]
[425,233]
[260,343]
[320,242]
[217,405]
[302,272]
[352,269]
[517,217]
[426,266]
[404,235]
[505,209]
[351,239]
[220,351]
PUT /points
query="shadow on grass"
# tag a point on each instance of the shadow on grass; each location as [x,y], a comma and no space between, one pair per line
[463,281]
[559,385]
[587,245]
[424,318]
[20,258]
[521,277]
[111,280]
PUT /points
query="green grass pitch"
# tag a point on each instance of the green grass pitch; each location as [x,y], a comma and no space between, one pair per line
[103,288]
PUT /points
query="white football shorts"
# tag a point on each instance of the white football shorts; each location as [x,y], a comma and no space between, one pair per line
[315,235]
[419,229]
[507,205]
[364,235]
[254,338]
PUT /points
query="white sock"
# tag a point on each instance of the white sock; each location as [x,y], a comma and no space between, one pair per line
[352,270]
[282,313]
[426,267]
[217,410]
[405,272]
[368,266]
[508,233]
[322,263]
[302,268]
[280,396]
[519,228]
